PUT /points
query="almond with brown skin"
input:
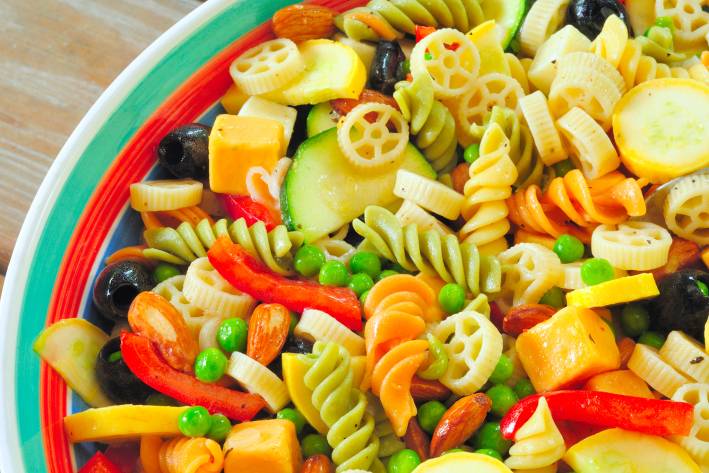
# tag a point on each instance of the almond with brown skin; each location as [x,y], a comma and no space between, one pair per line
[345,106]
[460,176]
[524,317]
[317,464]
[416,439]
[459,423]
[424,390]
[626,346]
[683,253]
[302,22]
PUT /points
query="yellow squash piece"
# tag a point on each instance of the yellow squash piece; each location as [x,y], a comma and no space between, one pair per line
[615,291]
[661,130]
[238,143]
[332,71]
[121,423]
[462,462]
[234,99]
[486,36]
[621,451]
[262,446]
[619,382]
[570,347]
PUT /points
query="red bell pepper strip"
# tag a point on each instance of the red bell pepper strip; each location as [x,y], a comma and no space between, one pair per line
[650,416]
[423,31]
[238,206]
[249,275]
[99,464]
[146,363]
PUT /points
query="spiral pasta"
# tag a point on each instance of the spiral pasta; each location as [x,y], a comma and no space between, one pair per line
[574,205]
[186,243]
[389,443]
[697,442]
[342,408]
[428,251]
[402,16]
[538,443]
[431,122]
[528,271]
[181,455]
[686,208]
[639,246]
[490,183]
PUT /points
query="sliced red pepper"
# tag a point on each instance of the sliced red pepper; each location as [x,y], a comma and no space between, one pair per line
[249,275]
[452,47]
[496,315]
[146,363]
[423,31]
[238,206]
[99,464]
[650,416]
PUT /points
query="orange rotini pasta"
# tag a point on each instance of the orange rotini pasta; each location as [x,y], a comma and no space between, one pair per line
[574,205]
[181,455]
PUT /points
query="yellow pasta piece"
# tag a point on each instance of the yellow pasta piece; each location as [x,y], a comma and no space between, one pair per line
[205,288]
[589,146]
[316,325]
[429,194]
[528,271]
[686,355]
[538,442]
[697,442]
[546,137]
[543,19]
[637,246]
[543,68]
[410,213]
[172,194]
[611,41]
[267,67]
[257,379]
[686,208]
[651,368]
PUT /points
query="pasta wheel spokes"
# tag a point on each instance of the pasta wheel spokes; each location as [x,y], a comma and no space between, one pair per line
[365,137]
[267,67]
[686,208]
[528,271]
[690,20]
[450,58]
[697,442]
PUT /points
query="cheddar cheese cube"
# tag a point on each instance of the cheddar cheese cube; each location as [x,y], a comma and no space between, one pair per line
[239,143]
[619,382]
[570,347]
[262,446]
[259,107]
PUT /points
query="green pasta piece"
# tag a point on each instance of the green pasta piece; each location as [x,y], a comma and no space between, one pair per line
[343,408]
[428,251]
[389,443]
[659,44]
[431,121]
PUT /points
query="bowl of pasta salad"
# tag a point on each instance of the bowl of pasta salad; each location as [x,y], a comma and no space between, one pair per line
[389,236]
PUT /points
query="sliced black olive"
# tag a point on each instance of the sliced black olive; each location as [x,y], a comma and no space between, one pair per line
[297,345]
[682,303]
[383,72]
[184,152]
[116,287]
[588,16]
[116,379]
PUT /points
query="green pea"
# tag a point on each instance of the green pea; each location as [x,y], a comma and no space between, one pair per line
[554,297]
[363,298]
[429,413]
[653,339]
[159,399]
[308,260]
[596,270]
[665,22]
[703,288]
[439,359]
[293,322]
[568,248]
[361,283]
[386,273]
[489,436]
[195,422]
[634,319]
[490,453]
[367,263]
[314,444]
[503,398]
[524,388]
[232,334]
[164,271]
[471,153]
[334,273]
[210,364]
[403,461]
[221,426]
[294,416]
[563,167]
[115,356]
[452,298]
[503,370]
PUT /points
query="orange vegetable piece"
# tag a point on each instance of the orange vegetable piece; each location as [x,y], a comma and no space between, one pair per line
[460,176]
[262,445]
[619,382]
[268,330]
[392,357]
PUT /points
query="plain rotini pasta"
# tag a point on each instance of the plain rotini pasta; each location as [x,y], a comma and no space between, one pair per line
[429,120]
[389,443]
[638,246]
[479,304]
[258,379]
[686,208]
[647,363]
[543,19]
[400,17]
[428,251]
[658,43]
[490,183]
[528,271]
[154,196]
[547,141]
[180,455]
[205,288]
[697,442]
[343,408]
[681,351]
[473,345]
[538,443]
[335,249]
[518,70]
[186,243]
[429,194]
[574,205]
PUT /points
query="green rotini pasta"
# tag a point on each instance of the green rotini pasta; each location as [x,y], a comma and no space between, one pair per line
[187,243]
[430,120]
[522,153]
[389,443]
[402,16]
[343,408]
[428,251]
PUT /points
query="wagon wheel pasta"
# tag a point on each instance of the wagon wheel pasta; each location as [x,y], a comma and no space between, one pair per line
[686,209]
[267,67]
[639,246]
[529,270]
[696,443]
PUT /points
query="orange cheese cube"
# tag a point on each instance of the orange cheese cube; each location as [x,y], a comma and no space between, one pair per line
[236,144]
[262,445]
[619,382]
[570,347]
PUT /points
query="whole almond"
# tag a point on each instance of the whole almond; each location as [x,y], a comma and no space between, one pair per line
[344,106]
[302,22]
[626,346]
[416,439]
[683,253]
[459,423]
[524,317]
[424,390]
[317,464]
